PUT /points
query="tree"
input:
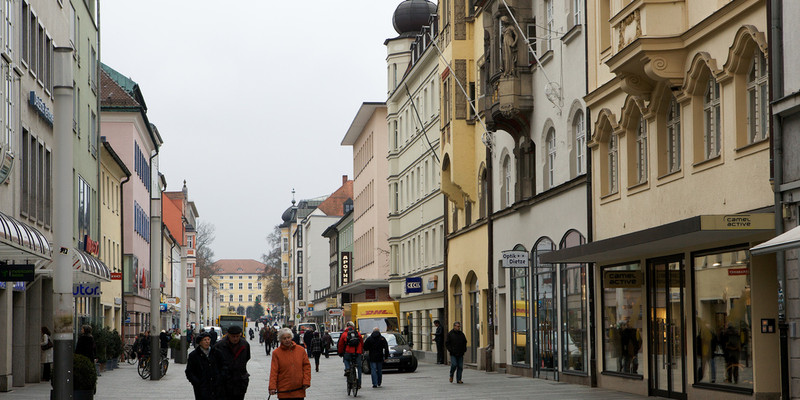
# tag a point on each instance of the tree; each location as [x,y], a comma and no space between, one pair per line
[255,312]
[273,293]
[273,256]
[205,255]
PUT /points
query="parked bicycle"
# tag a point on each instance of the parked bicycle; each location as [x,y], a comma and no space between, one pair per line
[128,354]
[144,366]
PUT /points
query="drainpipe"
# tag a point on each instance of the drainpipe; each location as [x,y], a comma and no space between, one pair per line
[590,268]
[63,204]
[775,46]
[491,309]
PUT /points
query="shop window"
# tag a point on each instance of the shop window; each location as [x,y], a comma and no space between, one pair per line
[545,317]
[723,334]
[623,303]
[520,336]
[573,309]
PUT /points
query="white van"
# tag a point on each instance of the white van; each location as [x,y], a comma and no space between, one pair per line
[305,326]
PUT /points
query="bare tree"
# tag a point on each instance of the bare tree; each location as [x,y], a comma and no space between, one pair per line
[205,255]
[273,293]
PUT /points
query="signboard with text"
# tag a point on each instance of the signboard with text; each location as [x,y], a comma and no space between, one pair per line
[515,259]
[345,265]
[17,273]
[414,285]
[82,289]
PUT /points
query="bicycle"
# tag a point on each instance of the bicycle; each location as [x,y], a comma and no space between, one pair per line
[144,366]
[352,378]
[129,355]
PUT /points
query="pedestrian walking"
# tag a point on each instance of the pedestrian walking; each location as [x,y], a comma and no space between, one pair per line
[86,345]
[234,355]
[438,338]
[457,345]
[212,333]
[378,349]
[47,353]
[201,368]
[350,348]
[268,339]
[163,339]
[327,341]
[290,371]
[252,334]
[316,347]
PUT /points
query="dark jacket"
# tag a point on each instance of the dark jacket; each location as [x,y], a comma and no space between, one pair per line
[456,343]
[438,336]
[307,336]
[164,339]
[377,346]
[233,366]
[213,336]
[86,347]
[202,372]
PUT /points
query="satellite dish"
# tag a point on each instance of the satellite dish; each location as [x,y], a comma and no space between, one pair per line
[553,92]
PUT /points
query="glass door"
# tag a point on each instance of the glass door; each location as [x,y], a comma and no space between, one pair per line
[475,335]
[667,328]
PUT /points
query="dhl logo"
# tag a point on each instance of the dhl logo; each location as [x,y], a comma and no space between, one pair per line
[376,312]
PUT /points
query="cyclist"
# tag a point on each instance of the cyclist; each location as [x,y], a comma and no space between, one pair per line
[351,347]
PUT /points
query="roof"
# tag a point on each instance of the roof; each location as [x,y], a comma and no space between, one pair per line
[334,204]
[232,267]
[360,121]
[115,95]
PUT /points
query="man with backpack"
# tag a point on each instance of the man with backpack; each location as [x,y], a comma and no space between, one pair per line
[351,347]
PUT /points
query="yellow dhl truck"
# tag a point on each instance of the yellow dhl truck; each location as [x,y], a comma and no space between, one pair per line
[382,314]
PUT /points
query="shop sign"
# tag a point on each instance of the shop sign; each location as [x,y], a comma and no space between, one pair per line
[414,285]
[433,282]
[90,246]
[335,312]
[116,276]
[331,302]
[622,279]
[163,307]
[86,289]
[38,104]
[346,258]
[515,259]
[6,163]
[369,294]
[301,303]
[738,271]
[17,273]
[172,300]
[310,308]
[118,300]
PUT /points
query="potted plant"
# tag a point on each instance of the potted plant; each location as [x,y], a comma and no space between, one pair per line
[84,378]
[115,348]
[100,335]
[175,346]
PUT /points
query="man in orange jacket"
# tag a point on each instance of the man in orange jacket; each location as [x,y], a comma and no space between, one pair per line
[290,372]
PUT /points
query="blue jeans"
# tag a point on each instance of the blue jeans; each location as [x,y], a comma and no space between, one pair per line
[376,369]
[356,358]
[457,366]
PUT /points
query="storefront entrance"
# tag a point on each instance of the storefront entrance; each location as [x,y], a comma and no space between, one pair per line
[667,338]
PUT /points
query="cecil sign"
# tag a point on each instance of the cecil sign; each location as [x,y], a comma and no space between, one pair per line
[515,259]
[414,285]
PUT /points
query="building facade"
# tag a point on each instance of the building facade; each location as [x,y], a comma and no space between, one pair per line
[126,127]
[340,240]
[240,283]
[680,192]
[416,214]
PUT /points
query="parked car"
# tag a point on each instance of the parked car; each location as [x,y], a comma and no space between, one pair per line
[400,355]
[216,328]
[334,342]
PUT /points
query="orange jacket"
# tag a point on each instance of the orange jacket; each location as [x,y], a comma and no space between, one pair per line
[290,371]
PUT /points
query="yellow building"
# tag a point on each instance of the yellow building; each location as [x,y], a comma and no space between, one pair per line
[240,283]
[678,98]
[463,157]
[113,173]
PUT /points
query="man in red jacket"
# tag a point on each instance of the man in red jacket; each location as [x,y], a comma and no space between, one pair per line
[351,347]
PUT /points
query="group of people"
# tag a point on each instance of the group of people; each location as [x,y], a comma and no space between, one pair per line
[85,346]
[220,371]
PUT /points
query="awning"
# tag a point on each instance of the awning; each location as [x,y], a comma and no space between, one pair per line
[785,241]
[696,232]
[20,242]
[89,269]
[361,285]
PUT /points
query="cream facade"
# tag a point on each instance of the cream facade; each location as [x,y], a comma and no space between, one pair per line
[680,192]
[113,174]
[416,215]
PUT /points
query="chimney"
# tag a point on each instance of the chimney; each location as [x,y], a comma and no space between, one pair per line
[344,179]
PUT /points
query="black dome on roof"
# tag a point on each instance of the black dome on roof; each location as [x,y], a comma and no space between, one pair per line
[288,214]
[412,15]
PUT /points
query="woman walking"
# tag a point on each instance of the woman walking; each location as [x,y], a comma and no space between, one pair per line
[47,353]
[290,371]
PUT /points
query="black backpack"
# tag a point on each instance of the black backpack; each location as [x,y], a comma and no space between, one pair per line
[352,338]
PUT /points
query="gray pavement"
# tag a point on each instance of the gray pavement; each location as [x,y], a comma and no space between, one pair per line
[428,382]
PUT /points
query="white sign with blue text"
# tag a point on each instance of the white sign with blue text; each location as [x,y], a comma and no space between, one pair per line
[86,289]
[515,259]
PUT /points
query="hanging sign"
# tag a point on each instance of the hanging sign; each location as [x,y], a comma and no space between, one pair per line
[414,285]
[515,259]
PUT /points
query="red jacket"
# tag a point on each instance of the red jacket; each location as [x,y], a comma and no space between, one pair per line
[343,347]
[289,372]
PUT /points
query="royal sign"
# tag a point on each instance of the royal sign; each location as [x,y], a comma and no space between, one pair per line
[414,285]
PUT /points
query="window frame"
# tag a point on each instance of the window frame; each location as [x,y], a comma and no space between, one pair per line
[757,89]
[712,119]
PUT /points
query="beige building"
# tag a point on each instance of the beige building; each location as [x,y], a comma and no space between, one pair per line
[368,137]
[680,192]
[240,282]
[113,174]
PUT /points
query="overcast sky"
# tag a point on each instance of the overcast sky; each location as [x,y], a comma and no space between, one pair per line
[252,98]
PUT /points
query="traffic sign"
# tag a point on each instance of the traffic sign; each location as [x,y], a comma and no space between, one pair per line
[335,312]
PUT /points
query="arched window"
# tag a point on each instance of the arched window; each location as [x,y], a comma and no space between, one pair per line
[551,157]
[545,318]
[673,136]
[641,150]
[757,99]
[506,192]
[579,132]
[573,293]
[520,336]
[613,164]
[711,119]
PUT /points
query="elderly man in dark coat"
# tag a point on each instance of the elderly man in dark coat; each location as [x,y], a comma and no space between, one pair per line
[234,353]
[201,368]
